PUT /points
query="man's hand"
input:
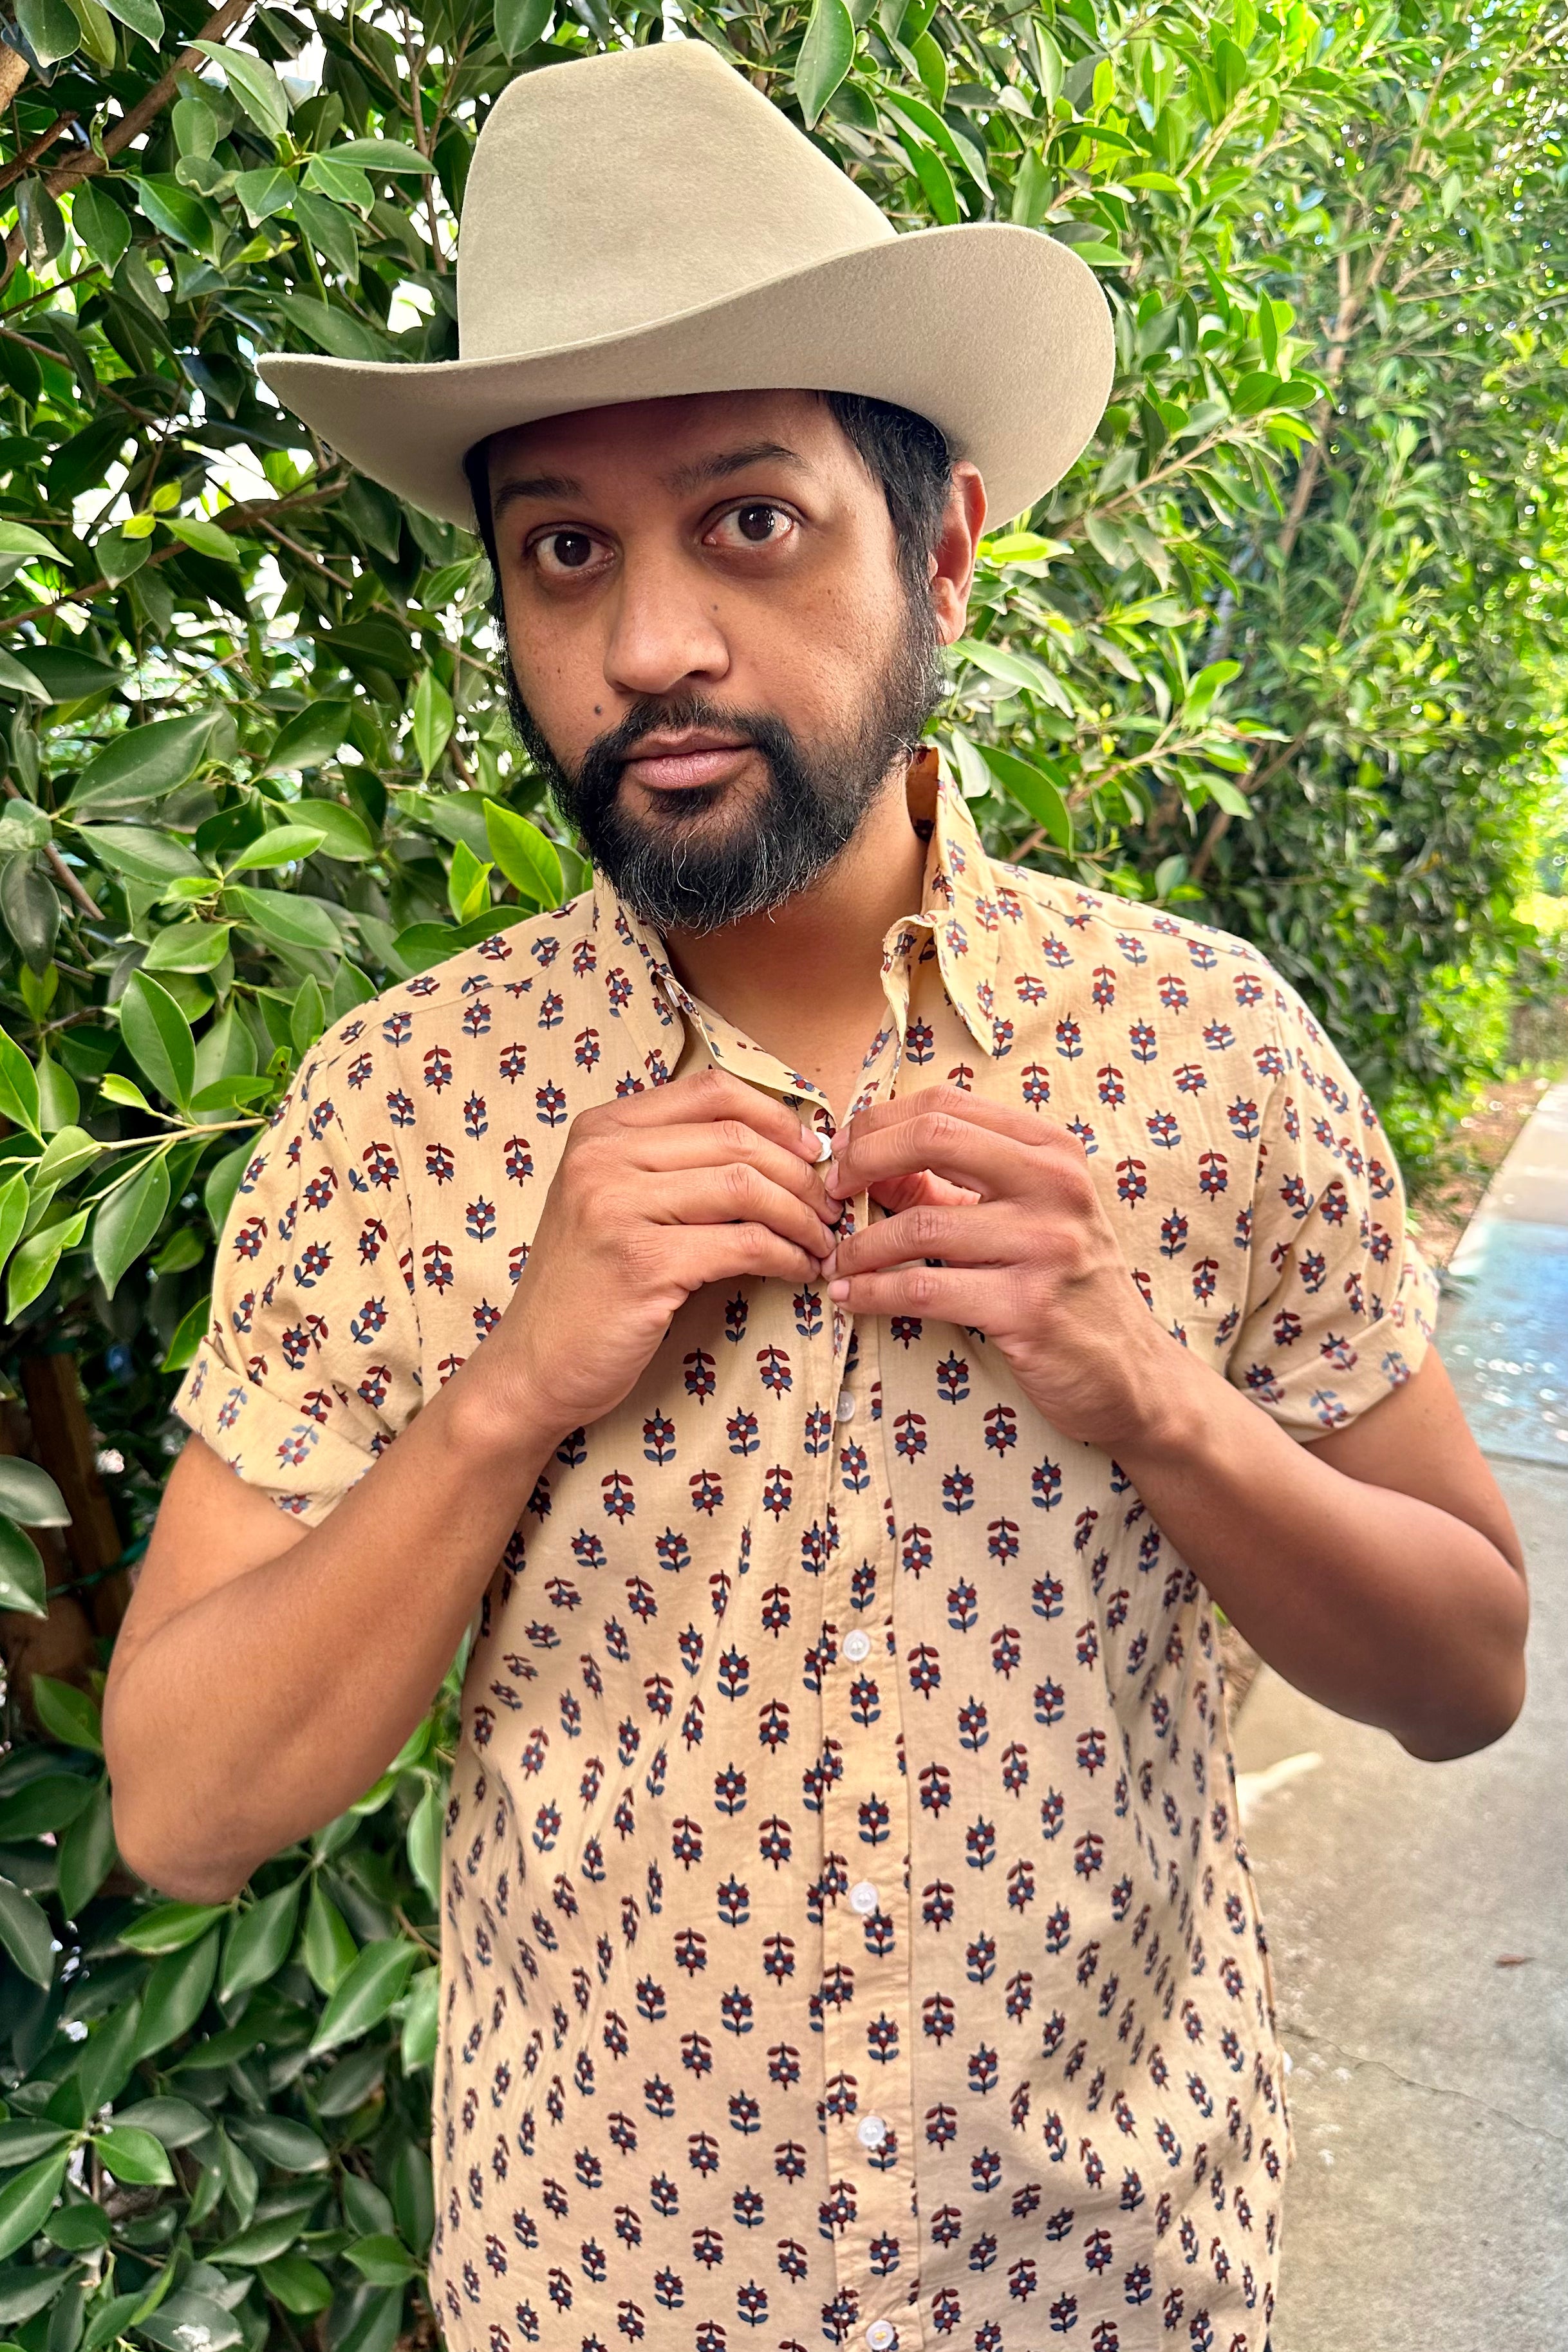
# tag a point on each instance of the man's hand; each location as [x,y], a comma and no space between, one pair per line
[1006,1202]
[705,1181]
[1377,1570]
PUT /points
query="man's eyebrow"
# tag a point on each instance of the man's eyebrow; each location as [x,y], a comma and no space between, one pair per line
[533,485]
[723,463]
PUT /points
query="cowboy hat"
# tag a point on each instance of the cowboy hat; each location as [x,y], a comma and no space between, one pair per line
[645,223]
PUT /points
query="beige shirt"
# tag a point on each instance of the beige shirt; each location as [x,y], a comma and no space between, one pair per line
[846,1934]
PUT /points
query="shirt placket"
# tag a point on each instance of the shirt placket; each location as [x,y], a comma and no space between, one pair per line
[867,2013]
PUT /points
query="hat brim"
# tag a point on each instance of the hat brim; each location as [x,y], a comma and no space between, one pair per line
[999,335]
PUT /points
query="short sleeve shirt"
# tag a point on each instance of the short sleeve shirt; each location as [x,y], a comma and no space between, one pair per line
[846,1936]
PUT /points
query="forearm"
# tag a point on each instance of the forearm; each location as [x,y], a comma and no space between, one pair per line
[1381,1605]
[247,1718]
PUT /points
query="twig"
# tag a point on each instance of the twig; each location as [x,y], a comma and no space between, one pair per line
[24,161]
[63,874]
[13,72]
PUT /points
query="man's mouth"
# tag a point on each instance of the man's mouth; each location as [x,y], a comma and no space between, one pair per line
[686,760]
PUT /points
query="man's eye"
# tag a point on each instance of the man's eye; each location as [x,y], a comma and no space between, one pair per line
[565,550]
[760,524]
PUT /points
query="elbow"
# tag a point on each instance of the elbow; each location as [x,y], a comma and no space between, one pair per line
[1480,1722]
[166,1856]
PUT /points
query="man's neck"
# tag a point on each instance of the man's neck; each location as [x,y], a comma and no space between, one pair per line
[804,981]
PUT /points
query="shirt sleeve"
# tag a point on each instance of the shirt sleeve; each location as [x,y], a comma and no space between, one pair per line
[1341,1304]
[309,1366]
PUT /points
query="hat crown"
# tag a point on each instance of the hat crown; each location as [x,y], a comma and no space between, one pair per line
[626,188]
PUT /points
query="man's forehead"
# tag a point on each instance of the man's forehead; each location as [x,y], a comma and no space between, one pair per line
[662,433]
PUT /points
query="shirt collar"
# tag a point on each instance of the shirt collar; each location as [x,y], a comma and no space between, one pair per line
[961,907]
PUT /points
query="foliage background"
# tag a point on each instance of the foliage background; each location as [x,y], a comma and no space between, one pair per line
[1286,648]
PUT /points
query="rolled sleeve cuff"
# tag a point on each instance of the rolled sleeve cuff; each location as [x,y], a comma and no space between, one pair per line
[267,1439]
[1346,1372]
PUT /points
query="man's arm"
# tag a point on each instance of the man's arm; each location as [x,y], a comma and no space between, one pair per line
[1377,1568]
[267,1673]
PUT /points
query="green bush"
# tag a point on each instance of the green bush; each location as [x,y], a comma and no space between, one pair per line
[1284,648]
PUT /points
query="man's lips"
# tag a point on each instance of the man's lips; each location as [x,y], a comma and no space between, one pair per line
[685,764]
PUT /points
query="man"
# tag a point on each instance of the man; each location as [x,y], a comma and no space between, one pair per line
[908,1289]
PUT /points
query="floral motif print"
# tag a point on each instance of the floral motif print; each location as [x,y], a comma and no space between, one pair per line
[846,1934]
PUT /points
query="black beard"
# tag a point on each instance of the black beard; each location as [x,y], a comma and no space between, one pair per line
[678,877]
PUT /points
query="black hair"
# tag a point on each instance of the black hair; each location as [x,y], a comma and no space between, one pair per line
[906,454]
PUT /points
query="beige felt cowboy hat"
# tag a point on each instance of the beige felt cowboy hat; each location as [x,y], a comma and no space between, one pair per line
[645,223]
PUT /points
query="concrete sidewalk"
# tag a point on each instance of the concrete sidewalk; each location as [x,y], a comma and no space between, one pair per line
[1418,1914]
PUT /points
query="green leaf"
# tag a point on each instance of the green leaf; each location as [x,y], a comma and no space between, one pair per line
[301,2286]
[189,1333]
[143,16]
[327,1949]
[26,2201]
[52,34]
[13,1205]
[189,2322]
[31,1268]
[27,1935]
[1037,792]
[68,1151]
[382,2259]
[19,1087]
[280,2141]
[176,1994]
[20,539]
[433,719]
[206,537]
[31,1494]
[194,946]
[15,677]
[1017,669]
[176,2123]
[22,1584]
[66,1714]
[24,2143]
[383,154]
[526,857]
[86,1852]
[142,763]
[1229,796]
[332,330]
[424,1840]
[98,222]
[343,834]
[283,844]
[520,23]
[140,853]
[308,738]
[421,2021]
[362,1999]
[263,2242]
[260,1941]
[284,919]
[254,83]
[826,54]
[171,1927]
[127,1220]
[1207,684]
[135,2157]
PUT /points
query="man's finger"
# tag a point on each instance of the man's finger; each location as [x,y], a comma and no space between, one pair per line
[961,1149]
[968,1296]
[1026,1127]
[705,1254]
[735,1194]
[959,1233]
[706,1094]
[666,1149]
[908,1191]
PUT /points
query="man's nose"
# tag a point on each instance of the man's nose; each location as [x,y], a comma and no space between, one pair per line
[663,630]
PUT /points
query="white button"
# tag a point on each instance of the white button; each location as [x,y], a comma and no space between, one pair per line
[871,2131]
[856,1645]
[844,1408]
[881,2336]
[863,1898]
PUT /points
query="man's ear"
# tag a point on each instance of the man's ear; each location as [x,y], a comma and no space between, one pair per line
[951,563]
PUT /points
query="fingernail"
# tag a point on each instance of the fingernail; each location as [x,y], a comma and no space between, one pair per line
[838,1290]
[829,1261]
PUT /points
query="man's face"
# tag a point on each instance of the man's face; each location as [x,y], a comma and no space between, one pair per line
[715,660]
